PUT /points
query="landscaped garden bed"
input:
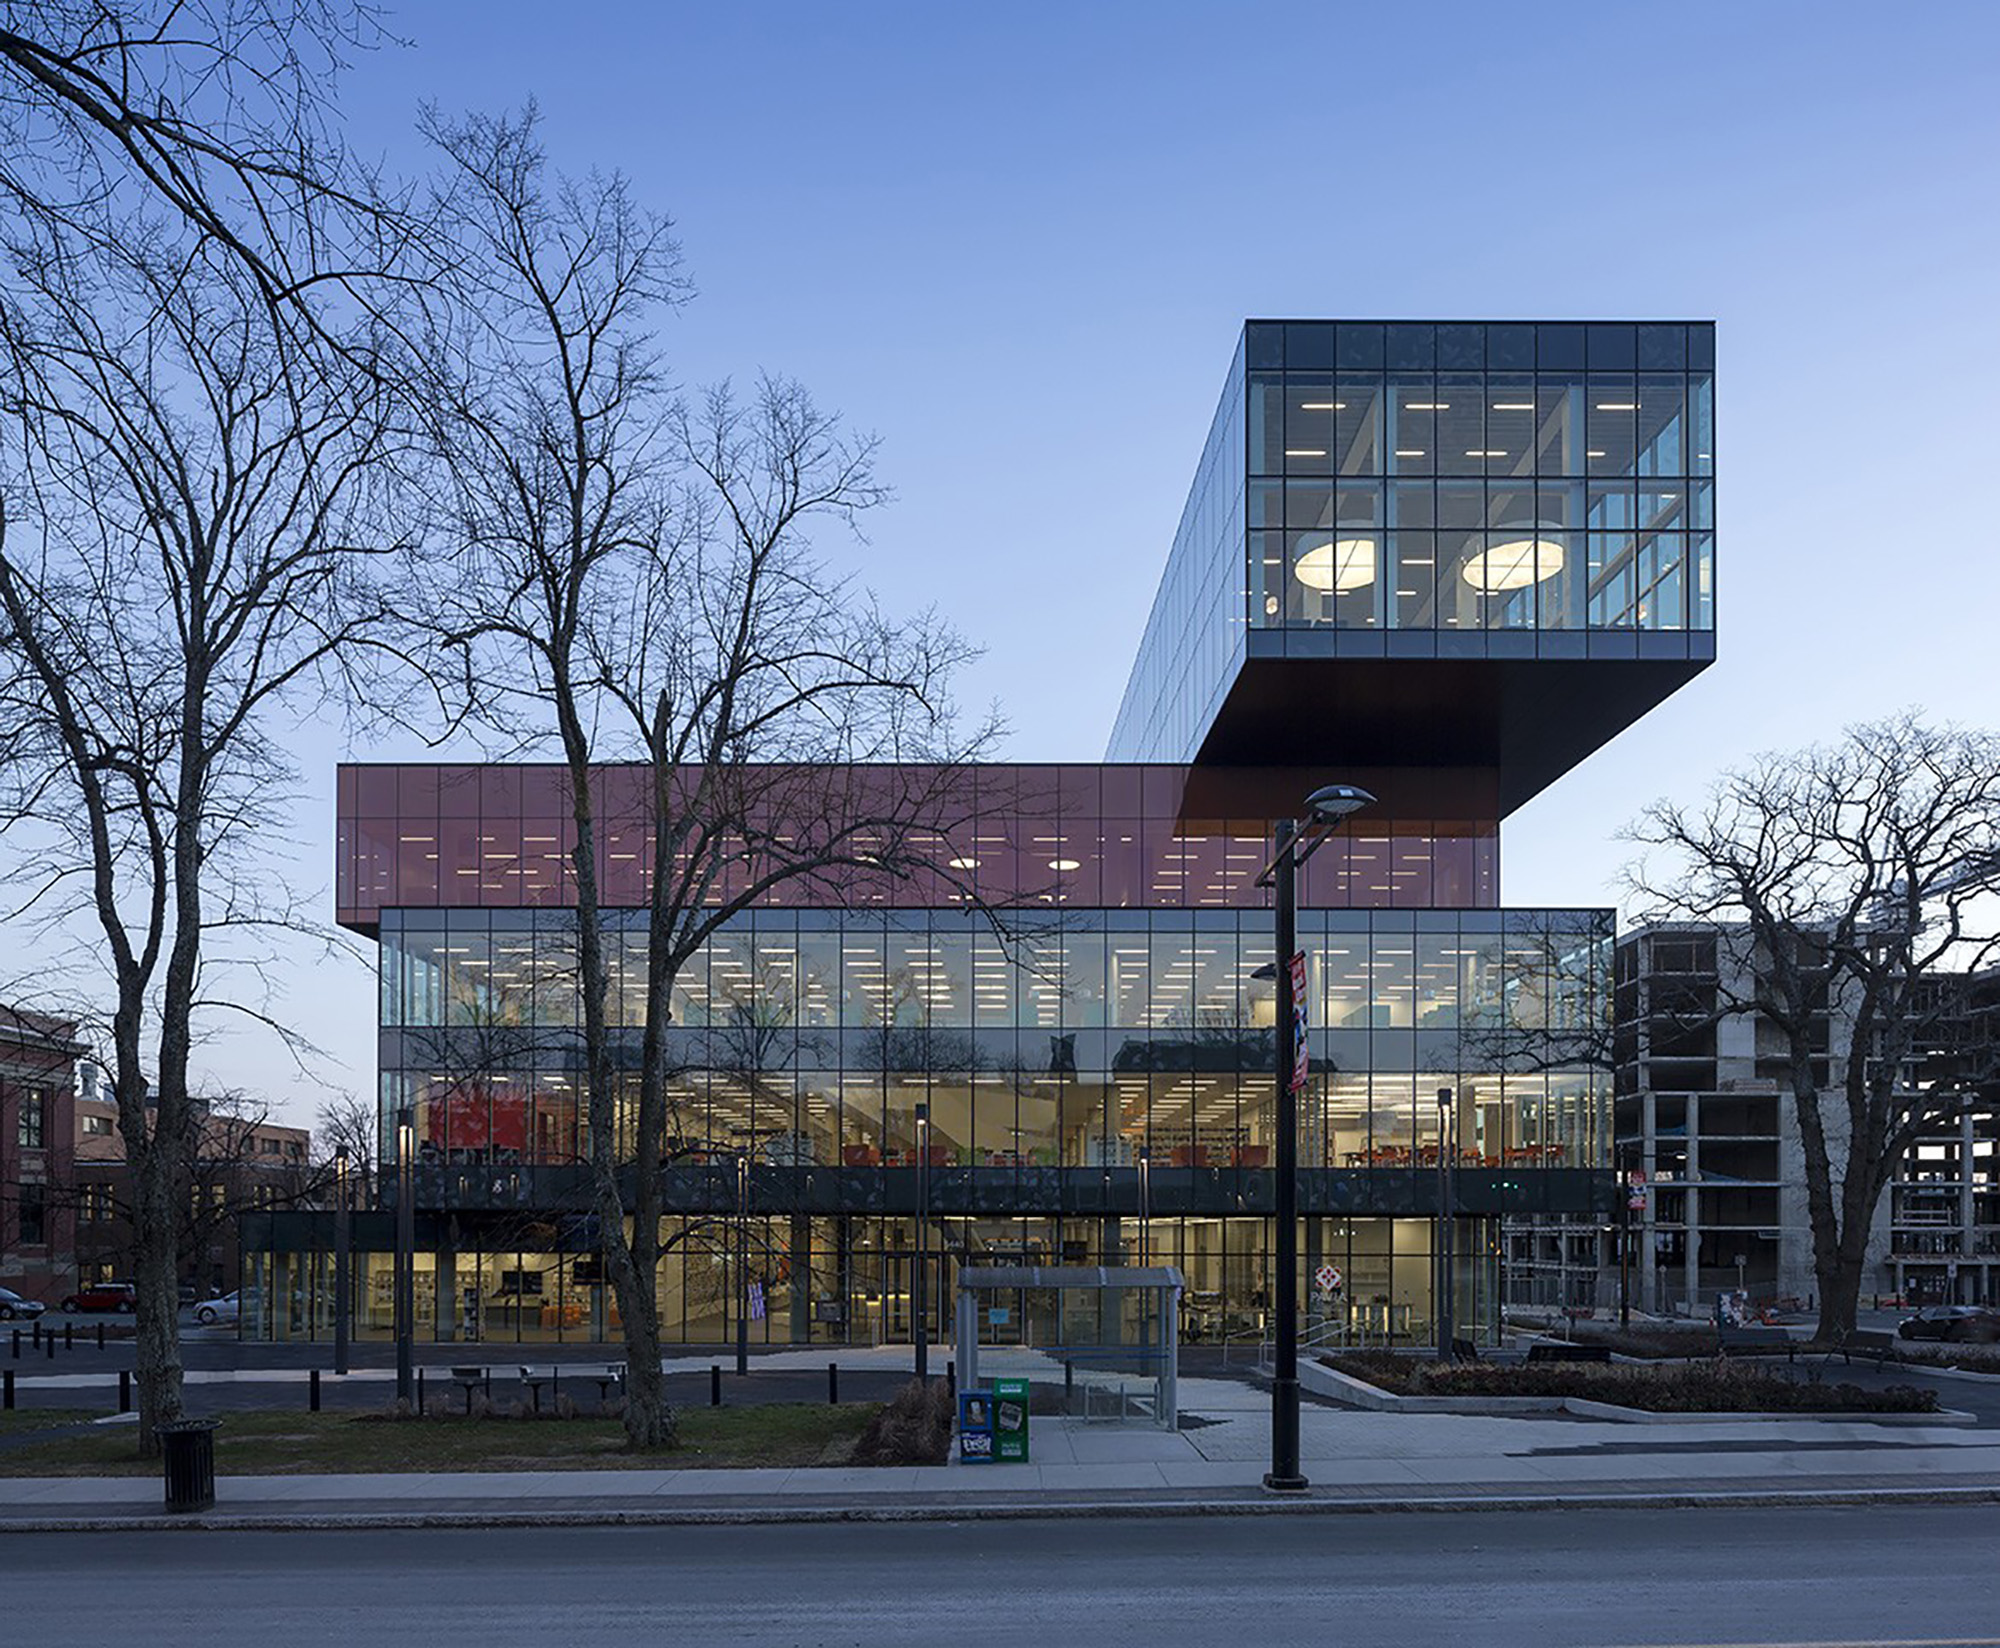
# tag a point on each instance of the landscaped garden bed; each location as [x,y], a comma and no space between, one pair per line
[1691,1387]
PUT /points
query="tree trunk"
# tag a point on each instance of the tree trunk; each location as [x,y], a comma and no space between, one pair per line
[155,1255]
[1839,1298]
[650,1420]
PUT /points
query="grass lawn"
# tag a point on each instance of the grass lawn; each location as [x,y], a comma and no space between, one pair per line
[13,1421]
[265,1444]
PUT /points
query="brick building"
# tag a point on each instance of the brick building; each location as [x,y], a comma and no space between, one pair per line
[38,1056]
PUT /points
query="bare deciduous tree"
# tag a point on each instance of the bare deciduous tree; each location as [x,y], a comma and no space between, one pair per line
[211,121]
[635,581]
[1864,874]
[347,1123]
[188,531]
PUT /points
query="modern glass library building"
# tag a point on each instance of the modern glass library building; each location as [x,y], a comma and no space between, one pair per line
[1439,561]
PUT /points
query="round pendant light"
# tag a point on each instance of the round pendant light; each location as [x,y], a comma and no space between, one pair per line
[1515,564]
[1342,565]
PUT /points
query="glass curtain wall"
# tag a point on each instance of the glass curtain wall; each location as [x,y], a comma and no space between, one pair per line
[849,1279]
[1480,477]
[1071,1040]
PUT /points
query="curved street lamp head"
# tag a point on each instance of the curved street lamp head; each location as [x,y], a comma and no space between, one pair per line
[1336,801]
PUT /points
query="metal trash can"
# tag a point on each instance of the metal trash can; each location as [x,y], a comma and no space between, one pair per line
[187,1451]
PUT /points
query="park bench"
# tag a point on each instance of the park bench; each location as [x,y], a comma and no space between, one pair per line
[1550,1350]
[1867,1342]
[1735,1341]
[470,1379]
[1464,1350]
[605,1375]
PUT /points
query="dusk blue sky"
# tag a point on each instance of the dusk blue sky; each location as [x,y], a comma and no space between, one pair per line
[1017,243]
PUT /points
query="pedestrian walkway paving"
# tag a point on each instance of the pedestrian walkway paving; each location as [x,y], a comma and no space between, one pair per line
[1355,1461]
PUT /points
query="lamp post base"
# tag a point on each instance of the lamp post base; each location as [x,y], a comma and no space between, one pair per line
[1284,1476]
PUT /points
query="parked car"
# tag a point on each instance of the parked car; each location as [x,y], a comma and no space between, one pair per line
[1958,1323]
[121,1296]
[13,1307]
[210,1312]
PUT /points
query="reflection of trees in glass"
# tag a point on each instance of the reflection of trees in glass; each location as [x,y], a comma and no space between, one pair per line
[1534,1048]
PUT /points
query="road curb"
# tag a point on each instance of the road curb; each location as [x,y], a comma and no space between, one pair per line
[750,1515]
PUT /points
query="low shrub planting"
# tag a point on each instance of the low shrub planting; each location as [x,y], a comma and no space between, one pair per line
[913,1428]
[1718,1386]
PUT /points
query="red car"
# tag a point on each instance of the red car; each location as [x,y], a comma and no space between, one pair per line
[122,1296]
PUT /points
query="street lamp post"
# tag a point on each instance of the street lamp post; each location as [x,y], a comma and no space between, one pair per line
[919,1291]
[1145,1204]
[406,1259]
[342,1257]
[742,1262]
[1624,1239]
[1291,848]
[1446,1328]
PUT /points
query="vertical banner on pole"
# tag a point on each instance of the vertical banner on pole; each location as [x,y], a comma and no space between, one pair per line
[1299,1057]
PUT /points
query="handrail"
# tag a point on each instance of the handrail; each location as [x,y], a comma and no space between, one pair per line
[1329,1331]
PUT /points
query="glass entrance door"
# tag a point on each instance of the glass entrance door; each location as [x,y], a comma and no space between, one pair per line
[888,1297]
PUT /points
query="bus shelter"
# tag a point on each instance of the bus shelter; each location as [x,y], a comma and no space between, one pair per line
[1108,1335]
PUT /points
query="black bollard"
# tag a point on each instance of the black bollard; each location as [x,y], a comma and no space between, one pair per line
[37,1340]
[715,1384]
[100,1336]
[951,1380]
[420,1389]
[833,1383]
[69,1336]
[17,1344]
[124,1390]
[1069,1387]
[51,1343]
[312,1390]
[8,1398]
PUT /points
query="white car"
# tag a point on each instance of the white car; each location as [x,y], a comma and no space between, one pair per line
[217,1312]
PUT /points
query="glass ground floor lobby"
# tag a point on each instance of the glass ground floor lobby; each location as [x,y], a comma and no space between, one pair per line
[851,1280]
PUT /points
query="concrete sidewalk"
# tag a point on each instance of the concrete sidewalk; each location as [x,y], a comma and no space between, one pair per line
[1357,1461]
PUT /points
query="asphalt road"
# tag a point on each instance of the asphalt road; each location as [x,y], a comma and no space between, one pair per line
[1903,1576]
